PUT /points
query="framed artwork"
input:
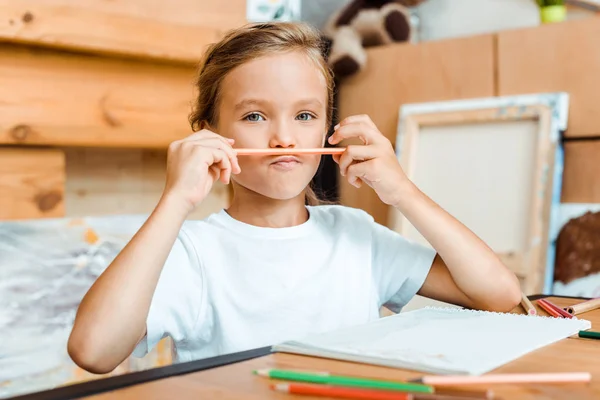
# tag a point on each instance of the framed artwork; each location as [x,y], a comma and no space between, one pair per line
[496,165]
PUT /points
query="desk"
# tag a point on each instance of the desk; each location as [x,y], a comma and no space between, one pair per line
[236,381]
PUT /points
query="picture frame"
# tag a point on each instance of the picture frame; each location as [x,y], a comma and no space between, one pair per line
[496,165]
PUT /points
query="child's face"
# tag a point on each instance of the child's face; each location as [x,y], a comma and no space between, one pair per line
[275,101]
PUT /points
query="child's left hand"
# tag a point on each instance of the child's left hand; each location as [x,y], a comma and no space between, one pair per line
[374,162]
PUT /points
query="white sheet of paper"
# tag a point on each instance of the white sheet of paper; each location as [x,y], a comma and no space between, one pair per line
[440,340]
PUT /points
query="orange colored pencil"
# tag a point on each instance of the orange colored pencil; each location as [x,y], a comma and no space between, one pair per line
[282,152]
[339,391]
[549,309]
[561,377]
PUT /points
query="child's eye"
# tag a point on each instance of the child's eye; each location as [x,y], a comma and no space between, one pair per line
[254,117]
[305,116]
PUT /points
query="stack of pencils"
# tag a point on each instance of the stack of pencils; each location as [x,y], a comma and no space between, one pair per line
[426,388]
[568,312]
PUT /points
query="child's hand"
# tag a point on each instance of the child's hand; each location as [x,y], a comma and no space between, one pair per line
[195,163]
[374,163]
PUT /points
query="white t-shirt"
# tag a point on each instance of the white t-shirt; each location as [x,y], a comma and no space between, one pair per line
[228,286]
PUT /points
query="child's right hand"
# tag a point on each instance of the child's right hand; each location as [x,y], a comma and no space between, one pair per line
[195,163]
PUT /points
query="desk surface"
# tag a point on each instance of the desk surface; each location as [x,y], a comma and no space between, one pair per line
[236,381]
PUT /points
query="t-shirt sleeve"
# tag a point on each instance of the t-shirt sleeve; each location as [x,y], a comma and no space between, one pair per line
[179,298]
[400,266]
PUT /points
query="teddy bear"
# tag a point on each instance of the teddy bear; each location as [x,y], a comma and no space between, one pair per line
[365,23]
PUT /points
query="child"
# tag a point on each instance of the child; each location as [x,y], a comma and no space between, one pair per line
[270,268]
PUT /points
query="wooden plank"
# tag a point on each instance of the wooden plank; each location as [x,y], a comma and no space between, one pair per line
[581,176]
[406,73]
[32,183]
[50,98]
[177,30]
[236,381]
[555,57]
[123,181]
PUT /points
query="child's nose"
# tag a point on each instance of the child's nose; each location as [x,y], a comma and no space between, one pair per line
[282,135]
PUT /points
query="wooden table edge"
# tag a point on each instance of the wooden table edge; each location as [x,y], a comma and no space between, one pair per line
[122,381]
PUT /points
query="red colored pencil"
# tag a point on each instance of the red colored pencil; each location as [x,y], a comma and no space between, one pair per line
[369,394]
[288,151]
[557,309]
[549,309]
[339,391]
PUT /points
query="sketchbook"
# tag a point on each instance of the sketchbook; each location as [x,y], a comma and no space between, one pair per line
[439,340]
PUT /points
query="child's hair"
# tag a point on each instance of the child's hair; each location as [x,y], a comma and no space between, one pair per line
[248,43]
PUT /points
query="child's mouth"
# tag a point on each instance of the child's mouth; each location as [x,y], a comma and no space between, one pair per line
[285,163]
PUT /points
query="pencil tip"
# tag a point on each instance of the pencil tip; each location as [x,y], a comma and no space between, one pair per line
[280,387]
[261,372]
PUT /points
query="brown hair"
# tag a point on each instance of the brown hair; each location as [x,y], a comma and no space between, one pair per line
[245,44]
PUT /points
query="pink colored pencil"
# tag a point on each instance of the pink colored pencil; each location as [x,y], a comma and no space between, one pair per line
[451,380]
[557,309]
[549,309]
[282,151]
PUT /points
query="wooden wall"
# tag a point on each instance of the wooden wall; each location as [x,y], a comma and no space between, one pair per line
[125,181]
[176,30]
[581,176]
[92,94]
[32,183]
[69,99]
[555,57]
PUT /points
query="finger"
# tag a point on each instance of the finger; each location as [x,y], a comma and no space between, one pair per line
[356,118]
[227,143]
[359,172]
[356,153]
[218,158]
[204,133]
[221,143]
[215,172]
[360,130]
[225,167]
[336,157]
[216,142]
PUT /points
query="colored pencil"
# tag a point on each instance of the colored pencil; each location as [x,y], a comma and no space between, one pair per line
[527,306]
[559,310]
[589,334]
[586,306]
[450,380]
[284,151]
[549,309]
[337,380]
[341,392]
[466,393]
[357,393]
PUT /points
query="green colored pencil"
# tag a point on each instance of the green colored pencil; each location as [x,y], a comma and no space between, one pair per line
[328,379]
[589,334]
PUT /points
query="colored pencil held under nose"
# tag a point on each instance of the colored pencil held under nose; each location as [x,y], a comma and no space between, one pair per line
[288,151]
